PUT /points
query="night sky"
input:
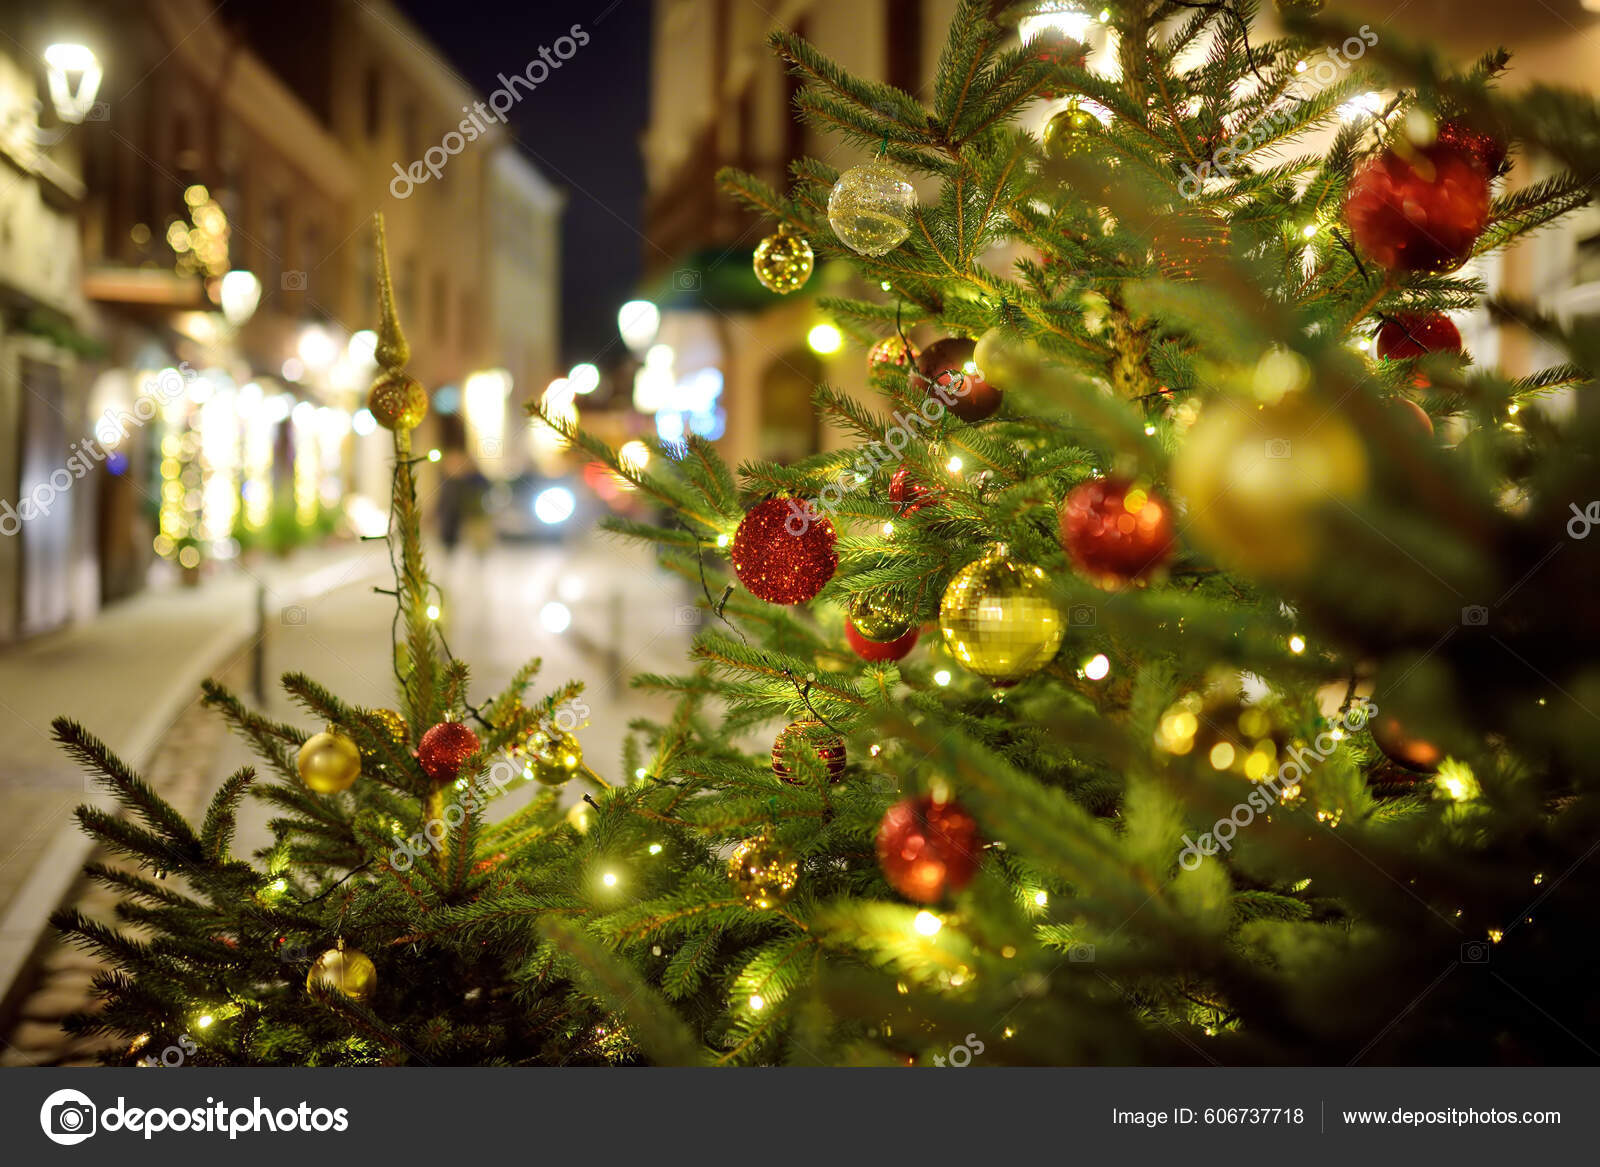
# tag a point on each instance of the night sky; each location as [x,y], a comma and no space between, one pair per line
[581,128]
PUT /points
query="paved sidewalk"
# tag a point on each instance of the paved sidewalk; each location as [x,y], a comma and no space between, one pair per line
[127,675]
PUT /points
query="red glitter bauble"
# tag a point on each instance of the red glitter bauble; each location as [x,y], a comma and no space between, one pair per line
[783,551]
[891,352]
[1420,213]
[1116,532]
[880,650]
[928,848]
[946,371]
[908,494]
[1414,334]
[828,745]
[1488,151]
[444,748]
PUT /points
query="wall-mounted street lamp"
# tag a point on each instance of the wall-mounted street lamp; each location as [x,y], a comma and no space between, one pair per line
[73,75]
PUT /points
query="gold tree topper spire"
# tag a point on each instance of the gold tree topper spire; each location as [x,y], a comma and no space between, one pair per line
[392,351]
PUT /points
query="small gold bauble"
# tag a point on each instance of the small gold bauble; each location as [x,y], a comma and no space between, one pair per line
[555,759]
[878,618]
[764,871]
[998,618]
[343,970]
[398,401]
[393,723]
[1255,479]
[871,206]
[783,263]
[329,762]
[1069,130]
[1007,361]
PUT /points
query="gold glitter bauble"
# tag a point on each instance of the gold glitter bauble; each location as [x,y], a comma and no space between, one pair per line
[783,263]
[764,871]
[343,970]
[397,401]
[871,207]
[1254,479]
[329,762]
[555,759]
[999,619]
[892,352]
[1069,130]
[393,722]
[877,618]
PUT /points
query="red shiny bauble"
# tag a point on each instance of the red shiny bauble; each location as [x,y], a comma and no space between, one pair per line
[946,371]
[444,748]
[828,745]
[908,494]
[1054,47]
[1420,213]
[1485,149]
[891,352]
[1115,531]
[1413,334]
[928,849]
[880,650]
[783,551]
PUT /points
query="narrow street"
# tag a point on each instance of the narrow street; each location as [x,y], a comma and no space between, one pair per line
[624,618]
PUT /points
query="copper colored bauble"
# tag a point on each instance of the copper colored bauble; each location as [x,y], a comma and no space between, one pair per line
[999,619]
[878,618]
[1421,212]
[880,650]
[393,723]
[828,746]
[1413,334]
[555,758]
[946,370]
[1256,479]
[343,970]
[928,848]
[1401,748]
[445,748]
[1069,132]
[871,207]
[397,401]
[1115,531]
[1414,415]
[908,494]
[891,353]
[1488,151]
[328,762]
[783,262]
[764,871]
[783,551]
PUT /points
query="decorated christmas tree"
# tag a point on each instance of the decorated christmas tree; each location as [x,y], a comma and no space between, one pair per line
[1187,660]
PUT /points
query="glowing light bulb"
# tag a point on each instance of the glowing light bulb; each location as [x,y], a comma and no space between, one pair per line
[1297,644]
[825,339]
[433,611]
[609,879]
[1098,668]
[942,677]
[927,924]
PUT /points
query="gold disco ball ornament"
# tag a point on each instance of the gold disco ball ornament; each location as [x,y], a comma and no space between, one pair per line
[783,262]
[764,871]
[999,619]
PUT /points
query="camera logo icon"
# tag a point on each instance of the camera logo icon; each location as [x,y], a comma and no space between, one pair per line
[294,281]
[1475,952]
[1277,448]
[1081,616]
[686,279]
[68,1117]
[294,616]
[687,615]
[1475,615]
[99,112]
[1081,954]
[490,448]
